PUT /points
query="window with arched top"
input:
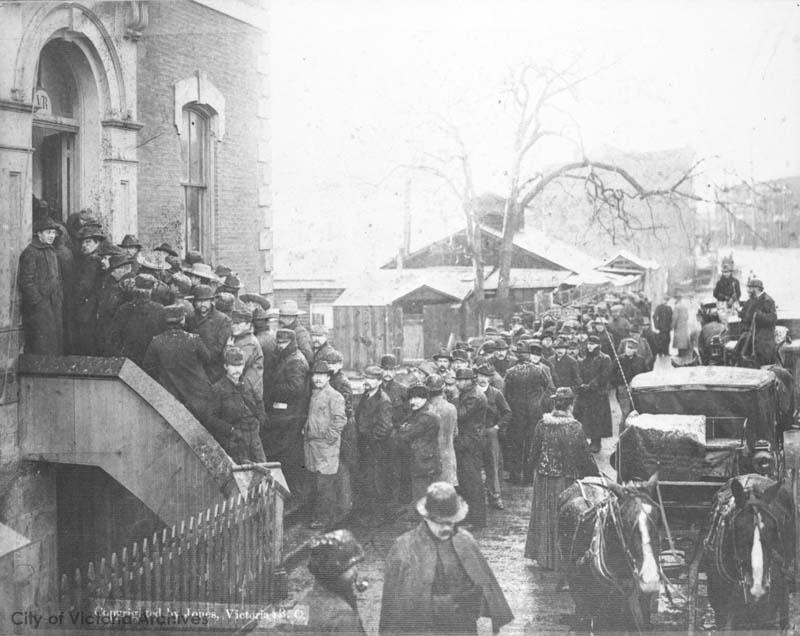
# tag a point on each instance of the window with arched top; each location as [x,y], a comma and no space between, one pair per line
[196,150]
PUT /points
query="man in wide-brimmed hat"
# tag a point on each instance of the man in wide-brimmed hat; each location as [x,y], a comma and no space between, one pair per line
[137,321]
[82,302]
[436,580]
[42,294]
[110,298]
[288,313]
[201,274]
[133,248]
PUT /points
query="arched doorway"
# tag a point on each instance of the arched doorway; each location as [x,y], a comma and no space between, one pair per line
[65,130]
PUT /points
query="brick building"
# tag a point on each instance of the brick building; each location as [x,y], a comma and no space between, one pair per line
[156,116]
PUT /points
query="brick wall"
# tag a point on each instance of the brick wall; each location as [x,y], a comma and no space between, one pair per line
[181,39]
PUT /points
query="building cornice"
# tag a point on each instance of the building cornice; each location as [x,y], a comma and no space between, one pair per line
[125,124]
[240,11]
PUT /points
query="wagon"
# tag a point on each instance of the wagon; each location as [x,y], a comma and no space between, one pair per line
[699,426]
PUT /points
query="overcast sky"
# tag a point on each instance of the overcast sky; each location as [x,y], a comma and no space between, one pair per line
[358,84]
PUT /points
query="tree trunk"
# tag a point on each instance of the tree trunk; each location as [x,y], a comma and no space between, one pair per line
[476,249]
[510,225]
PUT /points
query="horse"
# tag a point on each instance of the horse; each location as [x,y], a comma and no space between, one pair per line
[607,533]
[746,549]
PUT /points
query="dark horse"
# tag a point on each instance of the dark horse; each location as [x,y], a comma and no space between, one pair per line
[608,535]
[746,549]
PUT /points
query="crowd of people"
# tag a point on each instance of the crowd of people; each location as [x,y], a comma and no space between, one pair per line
[528,403]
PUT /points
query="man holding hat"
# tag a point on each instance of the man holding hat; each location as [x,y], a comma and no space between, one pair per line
[498,417]
[322,437]
[236,412]
[758,316]
[136,322]
[630,365]
[526,386]
[436,580]
[212,326]
[592,408]
[469,444]
[287,406]
[287,318]
[42,293]
[374,425]
[176,360]
[559,456]
[419,434]
[331,602]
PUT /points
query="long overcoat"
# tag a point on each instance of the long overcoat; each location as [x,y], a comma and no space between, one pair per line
[448,430]
[407,605]
[760,313]
[82,306]
[288,400]
[592,408]
[348,453]
[175,359]
[420,432]
[133,327]
[323,430]
[214,329]
[42,299]
[680,326]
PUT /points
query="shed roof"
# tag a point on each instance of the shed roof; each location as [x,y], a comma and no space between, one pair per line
[552,249]
[623,260]
[529,278]
[385,286]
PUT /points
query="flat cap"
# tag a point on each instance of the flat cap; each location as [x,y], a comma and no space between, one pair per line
[465,374]
[460,354]
[388,361]
[285,335]
[320,366]
[334,357]
[374,372]
[417,391]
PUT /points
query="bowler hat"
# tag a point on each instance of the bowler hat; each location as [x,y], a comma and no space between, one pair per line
[485,369]
[192,257]
[91,231]
[334,357]
[45,223]
[388,361]
[535,349]
[230,282]
[490,331]
[173,314]
[523,347]
[145,281]
[233,356]
[202,292]
[417,391]
[563,393]
[285,335]
[320,366]
[374,372]
[334,553]
[129,240]
[489,346]
[501,345]
[119,260]
[442,504]
[755,282]
[223,271]
[465,374]
[225,302]
[593,340]
[166,247]
[626,341]
[460,354]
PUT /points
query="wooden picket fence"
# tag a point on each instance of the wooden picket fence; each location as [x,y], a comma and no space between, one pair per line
[225,556]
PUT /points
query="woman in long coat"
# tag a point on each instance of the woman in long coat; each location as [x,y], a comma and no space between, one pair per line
[42,295]
[559,455]
[448,427]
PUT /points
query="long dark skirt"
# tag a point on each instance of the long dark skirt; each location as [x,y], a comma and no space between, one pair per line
[542,541]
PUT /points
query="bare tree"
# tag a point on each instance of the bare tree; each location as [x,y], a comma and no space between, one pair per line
[539,97]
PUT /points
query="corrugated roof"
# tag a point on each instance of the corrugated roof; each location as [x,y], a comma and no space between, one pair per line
[385,286]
